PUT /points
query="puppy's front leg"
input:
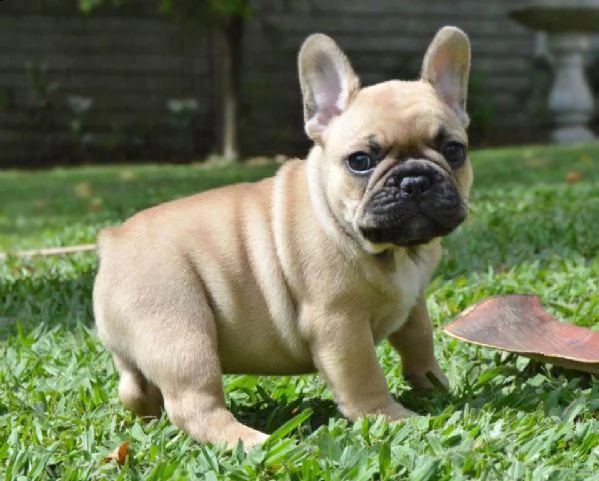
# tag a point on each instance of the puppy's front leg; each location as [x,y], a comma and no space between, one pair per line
[414,343]
[344,354]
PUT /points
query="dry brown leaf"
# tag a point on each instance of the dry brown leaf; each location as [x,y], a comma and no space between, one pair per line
[119,454]
[520,324]
[573,177]
[96,203]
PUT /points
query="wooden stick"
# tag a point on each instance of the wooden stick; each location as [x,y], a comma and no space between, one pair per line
[50,251]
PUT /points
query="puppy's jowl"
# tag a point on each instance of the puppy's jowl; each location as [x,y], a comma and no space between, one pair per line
[304,271]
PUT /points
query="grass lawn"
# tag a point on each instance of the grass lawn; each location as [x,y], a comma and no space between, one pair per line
[530,231]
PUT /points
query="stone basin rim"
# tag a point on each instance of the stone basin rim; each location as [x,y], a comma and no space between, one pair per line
[558,19]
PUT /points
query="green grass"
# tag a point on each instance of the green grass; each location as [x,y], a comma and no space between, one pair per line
[506,418]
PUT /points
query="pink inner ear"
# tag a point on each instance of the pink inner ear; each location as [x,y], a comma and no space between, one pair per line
[447,82]
[316,125]
[449,89]
[329,80]
[443,77]
[330,94]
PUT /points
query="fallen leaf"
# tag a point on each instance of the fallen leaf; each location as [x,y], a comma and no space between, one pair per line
[520,324]
[536,162]
[96,203]
[127,174]
[585,159]
[83,189]
[119,454]
[572,177]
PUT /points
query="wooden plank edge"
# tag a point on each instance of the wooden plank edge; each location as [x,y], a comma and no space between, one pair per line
[50,251]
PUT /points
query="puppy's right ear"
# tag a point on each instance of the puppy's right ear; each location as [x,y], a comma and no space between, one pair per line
[328,83]
[446,66]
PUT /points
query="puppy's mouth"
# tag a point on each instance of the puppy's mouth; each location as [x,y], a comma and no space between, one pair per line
[410,207]
[412,232]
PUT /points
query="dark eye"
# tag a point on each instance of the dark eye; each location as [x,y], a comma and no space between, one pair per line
[360,163]
[454,153]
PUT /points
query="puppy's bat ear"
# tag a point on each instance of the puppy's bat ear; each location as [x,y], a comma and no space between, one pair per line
[446,66]
[328,83]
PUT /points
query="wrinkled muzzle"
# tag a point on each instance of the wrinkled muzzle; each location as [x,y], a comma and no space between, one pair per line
[413,203]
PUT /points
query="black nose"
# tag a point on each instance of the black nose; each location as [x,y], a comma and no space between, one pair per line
[414,186]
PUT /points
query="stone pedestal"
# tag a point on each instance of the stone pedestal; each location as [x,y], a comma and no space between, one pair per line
[571,99]
[567,24]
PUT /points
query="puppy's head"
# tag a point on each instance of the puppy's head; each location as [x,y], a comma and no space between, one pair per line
[392,158]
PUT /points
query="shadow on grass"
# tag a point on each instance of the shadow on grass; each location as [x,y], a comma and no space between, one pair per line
[525,390]
[268,417]
[522,390]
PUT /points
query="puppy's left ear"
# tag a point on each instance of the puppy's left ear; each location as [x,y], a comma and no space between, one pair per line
[328,83]
[446,66]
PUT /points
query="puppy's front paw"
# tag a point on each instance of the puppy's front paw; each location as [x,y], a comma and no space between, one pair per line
[257,439]
[391,409]
[427,379]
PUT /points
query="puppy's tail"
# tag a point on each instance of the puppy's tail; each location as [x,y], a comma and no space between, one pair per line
[104,238]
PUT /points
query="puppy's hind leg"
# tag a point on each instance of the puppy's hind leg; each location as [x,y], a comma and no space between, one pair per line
[200,411]
[188,372]
[136,392]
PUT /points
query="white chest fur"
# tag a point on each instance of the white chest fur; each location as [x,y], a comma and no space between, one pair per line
[409,279]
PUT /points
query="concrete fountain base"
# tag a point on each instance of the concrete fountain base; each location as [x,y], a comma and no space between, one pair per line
[566,23]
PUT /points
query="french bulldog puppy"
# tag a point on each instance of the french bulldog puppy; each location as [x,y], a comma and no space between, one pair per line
[304,271]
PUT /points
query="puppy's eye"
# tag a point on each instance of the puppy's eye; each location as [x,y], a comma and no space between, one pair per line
[360,163]
[455,153]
